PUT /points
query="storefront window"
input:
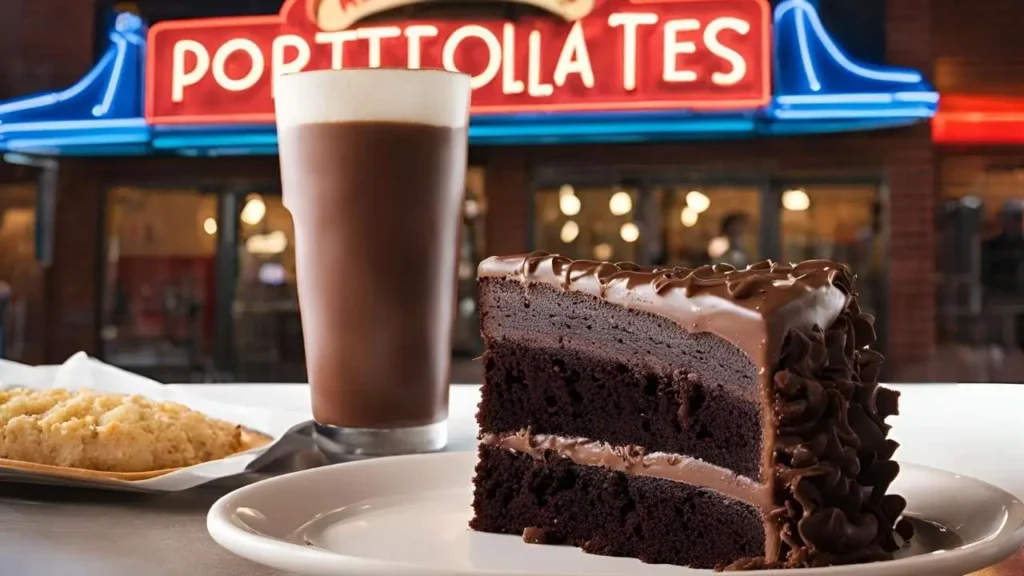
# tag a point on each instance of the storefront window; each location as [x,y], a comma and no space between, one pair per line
[981,269]
[267,327]
[839,222]
[19,270]
[709,225]
[158,313]
[595,223]
[466,340]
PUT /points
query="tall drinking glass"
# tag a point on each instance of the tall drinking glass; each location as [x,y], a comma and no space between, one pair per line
[373,163]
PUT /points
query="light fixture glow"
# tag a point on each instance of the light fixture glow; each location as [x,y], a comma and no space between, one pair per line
[603,251]
[629,232]
[689,217]
[472,208]
[254,210]
[971,201]
[267,244]
[621,203]
[698,201]
[718,246]
[566,190]
[210,226]
[570,204]
[570,231]
[796,200]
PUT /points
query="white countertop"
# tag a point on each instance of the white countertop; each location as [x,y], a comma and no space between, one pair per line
[973,429]
[52,531]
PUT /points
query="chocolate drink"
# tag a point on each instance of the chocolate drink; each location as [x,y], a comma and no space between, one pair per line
[373,164]
[376,226]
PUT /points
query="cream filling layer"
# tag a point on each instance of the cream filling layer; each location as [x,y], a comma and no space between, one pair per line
[635,460]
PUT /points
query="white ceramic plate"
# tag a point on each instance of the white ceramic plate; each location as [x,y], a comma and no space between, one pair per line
[408,516]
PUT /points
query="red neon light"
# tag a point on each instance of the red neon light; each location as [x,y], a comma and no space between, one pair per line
[993,120]
[202,71]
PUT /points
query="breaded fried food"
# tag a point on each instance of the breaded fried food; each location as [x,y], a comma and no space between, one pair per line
[109,432]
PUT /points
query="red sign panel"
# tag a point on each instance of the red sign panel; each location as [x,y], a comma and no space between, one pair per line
[586,55]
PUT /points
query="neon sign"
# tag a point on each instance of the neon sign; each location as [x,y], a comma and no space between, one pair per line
[596,55]
[985,120]
[816,85]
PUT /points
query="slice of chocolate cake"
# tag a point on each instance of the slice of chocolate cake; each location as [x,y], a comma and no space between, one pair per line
[710,417]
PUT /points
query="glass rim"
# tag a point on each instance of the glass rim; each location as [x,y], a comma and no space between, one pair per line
[445,71]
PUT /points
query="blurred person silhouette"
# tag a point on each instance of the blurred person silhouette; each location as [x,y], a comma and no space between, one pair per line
[1003,254]
[727,247]
[1002,266]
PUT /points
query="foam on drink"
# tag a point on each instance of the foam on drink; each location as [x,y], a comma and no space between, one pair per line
[440,98]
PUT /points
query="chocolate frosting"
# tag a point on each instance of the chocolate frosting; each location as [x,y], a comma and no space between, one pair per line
[753,308]
[827,460]
[833,460]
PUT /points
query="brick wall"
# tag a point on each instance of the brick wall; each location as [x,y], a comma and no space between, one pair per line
[72,322]
[910,168]
[44,44]
[977,46]
[506,185]
[912,248]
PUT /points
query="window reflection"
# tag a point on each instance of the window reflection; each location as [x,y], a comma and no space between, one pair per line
[839,222]
[981,270]
[594,223]
[159,286]
[21,276]
[466,340]
[267,329]
[710,225]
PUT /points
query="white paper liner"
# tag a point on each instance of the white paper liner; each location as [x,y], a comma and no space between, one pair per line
[81,371]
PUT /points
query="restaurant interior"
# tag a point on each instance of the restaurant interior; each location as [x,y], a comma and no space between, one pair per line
[161,252]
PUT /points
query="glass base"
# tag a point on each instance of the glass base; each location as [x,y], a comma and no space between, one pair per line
[340,444]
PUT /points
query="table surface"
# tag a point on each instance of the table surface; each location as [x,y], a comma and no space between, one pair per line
[973,429]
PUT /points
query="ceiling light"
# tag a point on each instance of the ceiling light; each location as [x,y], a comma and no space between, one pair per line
[621,203]
[570,230]
[570,204]
[254,210]
[629,232]
[689,217]
[210,226]
[795,200]
[718,246]
[698,201]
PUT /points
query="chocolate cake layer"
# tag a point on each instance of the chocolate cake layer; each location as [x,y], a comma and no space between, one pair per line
[567,364]
[609,512]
